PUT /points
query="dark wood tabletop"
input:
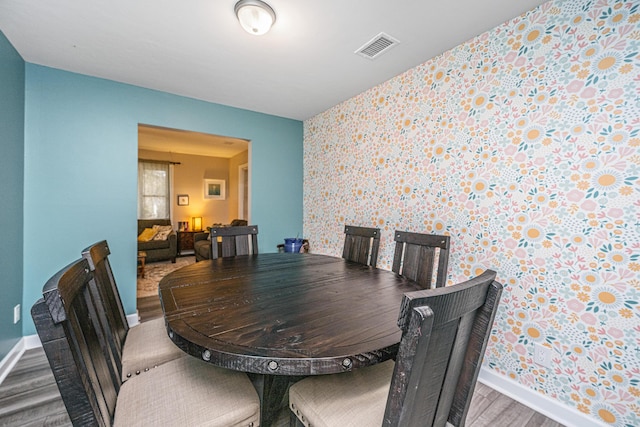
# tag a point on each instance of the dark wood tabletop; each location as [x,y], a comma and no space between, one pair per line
[284,315]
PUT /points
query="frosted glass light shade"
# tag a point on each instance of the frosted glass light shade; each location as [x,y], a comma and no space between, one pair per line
[255,16]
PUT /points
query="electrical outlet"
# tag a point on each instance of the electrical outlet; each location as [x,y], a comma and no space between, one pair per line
[16,314]
[542,355]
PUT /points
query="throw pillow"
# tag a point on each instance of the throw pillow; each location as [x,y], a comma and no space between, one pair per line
[147,234]
[163,232]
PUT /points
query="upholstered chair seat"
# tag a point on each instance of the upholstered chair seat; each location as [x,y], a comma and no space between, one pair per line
[363,395]
[146,347]
[188,392]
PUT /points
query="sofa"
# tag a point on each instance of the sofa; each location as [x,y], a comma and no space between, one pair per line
[158,250]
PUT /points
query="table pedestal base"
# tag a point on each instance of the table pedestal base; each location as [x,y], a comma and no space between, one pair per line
[272,390]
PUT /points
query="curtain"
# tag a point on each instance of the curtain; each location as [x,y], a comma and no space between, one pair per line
[153,190]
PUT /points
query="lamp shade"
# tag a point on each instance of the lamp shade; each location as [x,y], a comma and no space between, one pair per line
[197,223]
[255,16]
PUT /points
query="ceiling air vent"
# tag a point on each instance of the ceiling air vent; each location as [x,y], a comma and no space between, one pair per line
[377,46]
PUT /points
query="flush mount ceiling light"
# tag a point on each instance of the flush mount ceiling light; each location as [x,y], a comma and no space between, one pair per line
[255,16]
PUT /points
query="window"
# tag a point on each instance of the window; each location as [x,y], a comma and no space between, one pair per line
[153,190]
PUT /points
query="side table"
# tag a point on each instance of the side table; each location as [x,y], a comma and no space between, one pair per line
[185,242]
[142,256]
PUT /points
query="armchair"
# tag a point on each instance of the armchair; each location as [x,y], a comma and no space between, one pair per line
[202,246]
[202,241]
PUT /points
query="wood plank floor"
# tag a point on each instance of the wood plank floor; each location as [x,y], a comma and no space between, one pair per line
[29,396]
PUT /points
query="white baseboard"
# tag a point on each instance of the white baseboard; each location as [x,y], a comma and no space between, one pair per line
[545,405]
[32,341]
[10,360]
[133,319]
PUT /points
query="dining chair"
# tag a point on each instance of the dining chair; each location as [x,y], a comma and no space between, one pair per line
[184,391]
[444,336]
[241,240]
[361,244]
[202,241]
[415,257]
[141,347]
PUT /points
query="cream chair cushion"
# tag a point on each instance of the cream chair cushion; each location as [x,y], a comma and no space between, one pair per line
[188,392]
[356,398]
[147,345]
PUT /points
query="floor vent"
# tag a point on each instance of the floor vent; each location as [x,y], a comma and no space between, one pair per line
[377,46]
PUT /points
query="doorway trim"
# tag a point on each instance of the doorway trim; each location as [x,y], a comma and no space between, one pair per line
[241,192]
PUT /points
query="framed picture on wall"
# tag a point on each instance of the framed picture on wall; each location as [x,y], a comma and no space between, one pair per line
[214,189]
[183,200]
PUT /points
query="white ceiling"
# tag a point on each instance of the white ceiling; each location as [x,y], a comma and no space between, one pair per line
[196,48]
[167,140]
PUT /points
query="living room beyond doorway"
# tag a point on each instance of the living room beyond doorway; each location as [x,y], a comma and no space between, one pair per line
[207,182]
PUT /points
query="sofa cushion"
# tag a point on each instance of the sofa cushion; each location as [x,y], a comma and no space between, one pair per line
[153,244]
[163,231]
[147,234]
[149,223]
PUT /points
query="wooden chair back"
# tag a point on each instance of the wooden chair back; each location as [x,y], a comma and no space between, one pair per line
[97,258]
[241,240]
[415,257]
[73,336]
[445,334]
[361,244]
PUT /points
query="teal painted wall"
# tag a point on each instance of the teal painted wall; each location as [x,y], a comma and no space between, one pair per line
[81,169]
[12,78]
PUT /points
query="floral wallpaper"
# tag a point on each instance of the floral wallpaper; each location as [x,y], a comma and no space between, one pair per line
[523,145]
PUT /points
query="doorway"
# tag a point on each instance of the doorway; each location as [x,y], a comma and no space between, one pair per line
[203,156]
[194,159]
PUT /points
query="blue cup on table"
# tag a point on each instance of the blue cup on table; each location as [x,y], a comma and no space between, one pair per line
[292,244]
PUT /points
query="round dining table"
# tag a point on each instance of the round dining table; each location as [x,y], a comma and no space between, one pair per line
[282,316]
